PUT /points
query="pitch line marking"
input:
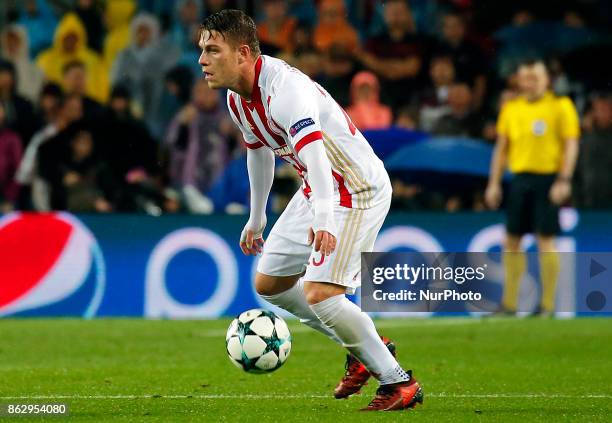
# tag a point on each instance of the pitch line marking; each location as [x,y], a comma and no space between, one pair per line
[382,324]
[305,396]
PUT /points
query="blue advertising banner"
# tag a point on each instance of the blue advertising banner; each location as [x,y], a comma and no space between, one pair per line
[59,264]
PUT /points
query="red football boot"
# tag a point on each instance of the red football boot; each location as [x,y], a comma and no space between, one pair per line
[397,396]
[356,374]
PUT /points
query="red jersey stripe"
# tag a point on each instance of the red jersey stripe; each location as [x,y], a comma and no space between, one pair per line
[234,108]
[346,199]
[254,145]
[262,116]
[254,128]
[256,103]
[313,136]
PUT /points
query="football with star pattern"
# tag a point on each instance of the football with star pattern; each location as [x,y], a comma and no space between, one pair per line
[258,341]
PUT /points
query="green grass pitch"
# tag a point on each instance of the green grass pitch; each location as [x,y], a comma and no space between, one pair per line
[489,370]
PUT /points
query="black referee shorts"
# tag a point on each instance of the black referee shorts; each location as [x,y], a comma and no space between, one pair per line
[528,207]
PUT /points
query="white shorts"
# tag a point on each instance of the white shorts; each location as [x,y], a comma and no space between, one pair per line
[286,251]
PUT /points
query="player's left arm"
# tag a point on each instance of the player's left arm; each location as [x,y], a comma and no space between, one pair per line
[295,109]
[570,133]
[320,177]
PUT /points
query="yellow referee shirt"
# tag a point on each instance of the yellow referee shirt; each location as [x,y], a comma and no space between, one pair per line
[536,132]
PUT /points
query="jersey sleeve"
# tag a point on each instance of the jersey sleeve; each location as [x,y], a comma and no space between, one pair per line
[250,141]
[295,109]
[570,122]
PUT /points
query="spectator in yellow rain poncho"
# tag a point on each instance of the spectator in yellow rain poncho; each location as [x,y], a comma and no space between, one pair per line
[70,45]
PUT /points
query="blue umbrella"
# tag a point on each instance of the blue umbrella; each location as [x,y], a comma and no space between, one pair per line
[445,163]
[444,155]
[387,141]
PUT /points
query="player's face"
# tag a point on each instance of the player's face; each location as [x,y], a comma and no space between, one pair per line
[219,61]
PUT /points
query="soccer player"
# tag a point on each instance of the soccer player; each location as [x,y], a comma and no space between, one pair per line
[538,138]
[312,255]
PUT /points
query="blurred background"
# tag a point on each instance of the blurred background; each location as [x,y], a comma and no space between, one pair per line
[104,115]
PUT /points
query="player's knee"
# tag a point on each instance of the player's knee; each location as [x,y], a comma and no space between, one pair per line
[266,285]
[318,291]
[315,296]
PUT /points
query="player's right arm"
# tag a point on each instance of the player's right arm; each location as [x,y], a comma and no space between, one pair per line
[260,166]
[493,193]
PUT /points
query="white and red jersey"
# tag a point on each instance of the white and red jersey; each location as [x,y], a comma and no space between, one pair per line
[288,110]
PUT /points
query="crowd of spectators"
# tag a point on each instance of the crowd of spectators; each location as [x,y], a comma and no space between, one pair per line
[102,105]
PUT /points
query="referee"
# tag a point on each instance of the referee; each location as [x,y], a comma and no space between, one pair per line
[537,138]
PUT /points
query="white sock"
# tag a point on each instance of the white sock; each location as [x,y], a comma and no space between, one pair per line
[358,334]
[294,301]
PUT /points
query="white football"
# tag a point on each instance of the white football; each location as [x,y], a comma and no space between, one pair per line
[258,341]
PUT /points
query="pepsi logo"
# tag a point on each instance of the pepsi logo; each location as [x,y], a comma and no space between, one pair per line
[46,259]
